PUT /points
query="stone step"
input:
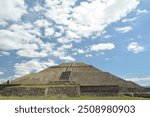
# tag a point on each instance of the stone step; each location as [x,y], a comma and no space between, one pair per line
[65,76]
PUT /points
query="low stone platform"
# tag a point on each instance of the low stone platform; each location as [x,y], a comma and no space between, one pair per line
[106,90]
[69,89]
[2,86]
[45,90]
[143,95]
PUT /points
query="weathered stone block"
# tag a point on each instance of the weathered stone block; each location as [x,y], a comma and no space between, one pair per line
[71,91]
[109,90]
[23,91]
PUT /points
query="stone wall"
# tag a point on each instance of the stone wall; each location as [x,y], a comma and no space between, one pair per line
[108,90]
[22,91]
[142,95]
[71,91]
[125,90]
[2,86]
[147,89]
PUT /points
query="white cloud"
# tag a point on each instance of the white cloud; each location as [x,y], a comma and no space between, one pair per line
[102,47]
[16,36]
[135,47]
[61,54]
[33,65]
[139,37]
[31,53]
[142,11]
[129,19]
[9,40]
[1,73]
[59,10]
[107,59]
[42,23]
[2,80]
[38,8]
[80,51]
[4,53]
[72,22]
[144,81]
[62,20]
[49,32]
[107,36]
[12,9]
[124,29]
[66,46]
[5,79]
[67,58]
[139,79]
[23,38]
[30,50]
[3,23]
[81,21]
[88,55]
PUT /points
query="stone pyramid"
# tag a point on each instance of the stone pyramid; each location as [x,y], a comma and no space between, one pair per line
[79,73]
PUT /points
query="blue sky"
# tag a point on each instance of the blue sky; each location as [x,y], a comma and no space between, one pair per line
[112,35]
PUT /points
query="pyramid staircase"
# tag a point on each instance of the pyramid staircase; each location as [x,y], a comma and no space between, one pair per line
[66,74]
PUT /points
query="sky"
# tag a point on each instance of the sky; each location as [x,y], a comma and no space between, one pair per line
[112,35]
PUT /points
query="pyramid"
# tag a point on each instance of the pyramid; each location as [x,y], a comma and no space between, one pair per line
[79,73]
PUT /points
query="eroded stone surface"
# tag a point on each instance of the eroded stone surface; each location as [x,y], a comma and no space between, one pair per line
[80,73]
[70,91]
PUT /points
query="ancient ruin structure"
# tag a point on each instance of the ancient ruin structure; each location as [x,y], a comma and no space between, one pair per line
[70,79]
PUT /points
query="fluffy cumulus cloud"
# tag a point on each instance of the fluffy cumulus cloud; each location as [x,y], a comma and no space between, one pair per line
[102,47]
[81,21]
[124,29]
[12,9]
[16,36]
[80,51]
[33,65]
[49,30]
[67,58]
[135,47]
[23,38]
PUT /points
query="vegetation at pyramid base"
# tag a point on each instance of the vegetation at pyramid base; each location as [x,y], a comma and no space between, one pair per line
[72,98]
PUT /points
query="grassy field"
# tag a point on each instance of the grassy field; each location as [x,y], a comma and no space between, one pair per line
[72,98]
